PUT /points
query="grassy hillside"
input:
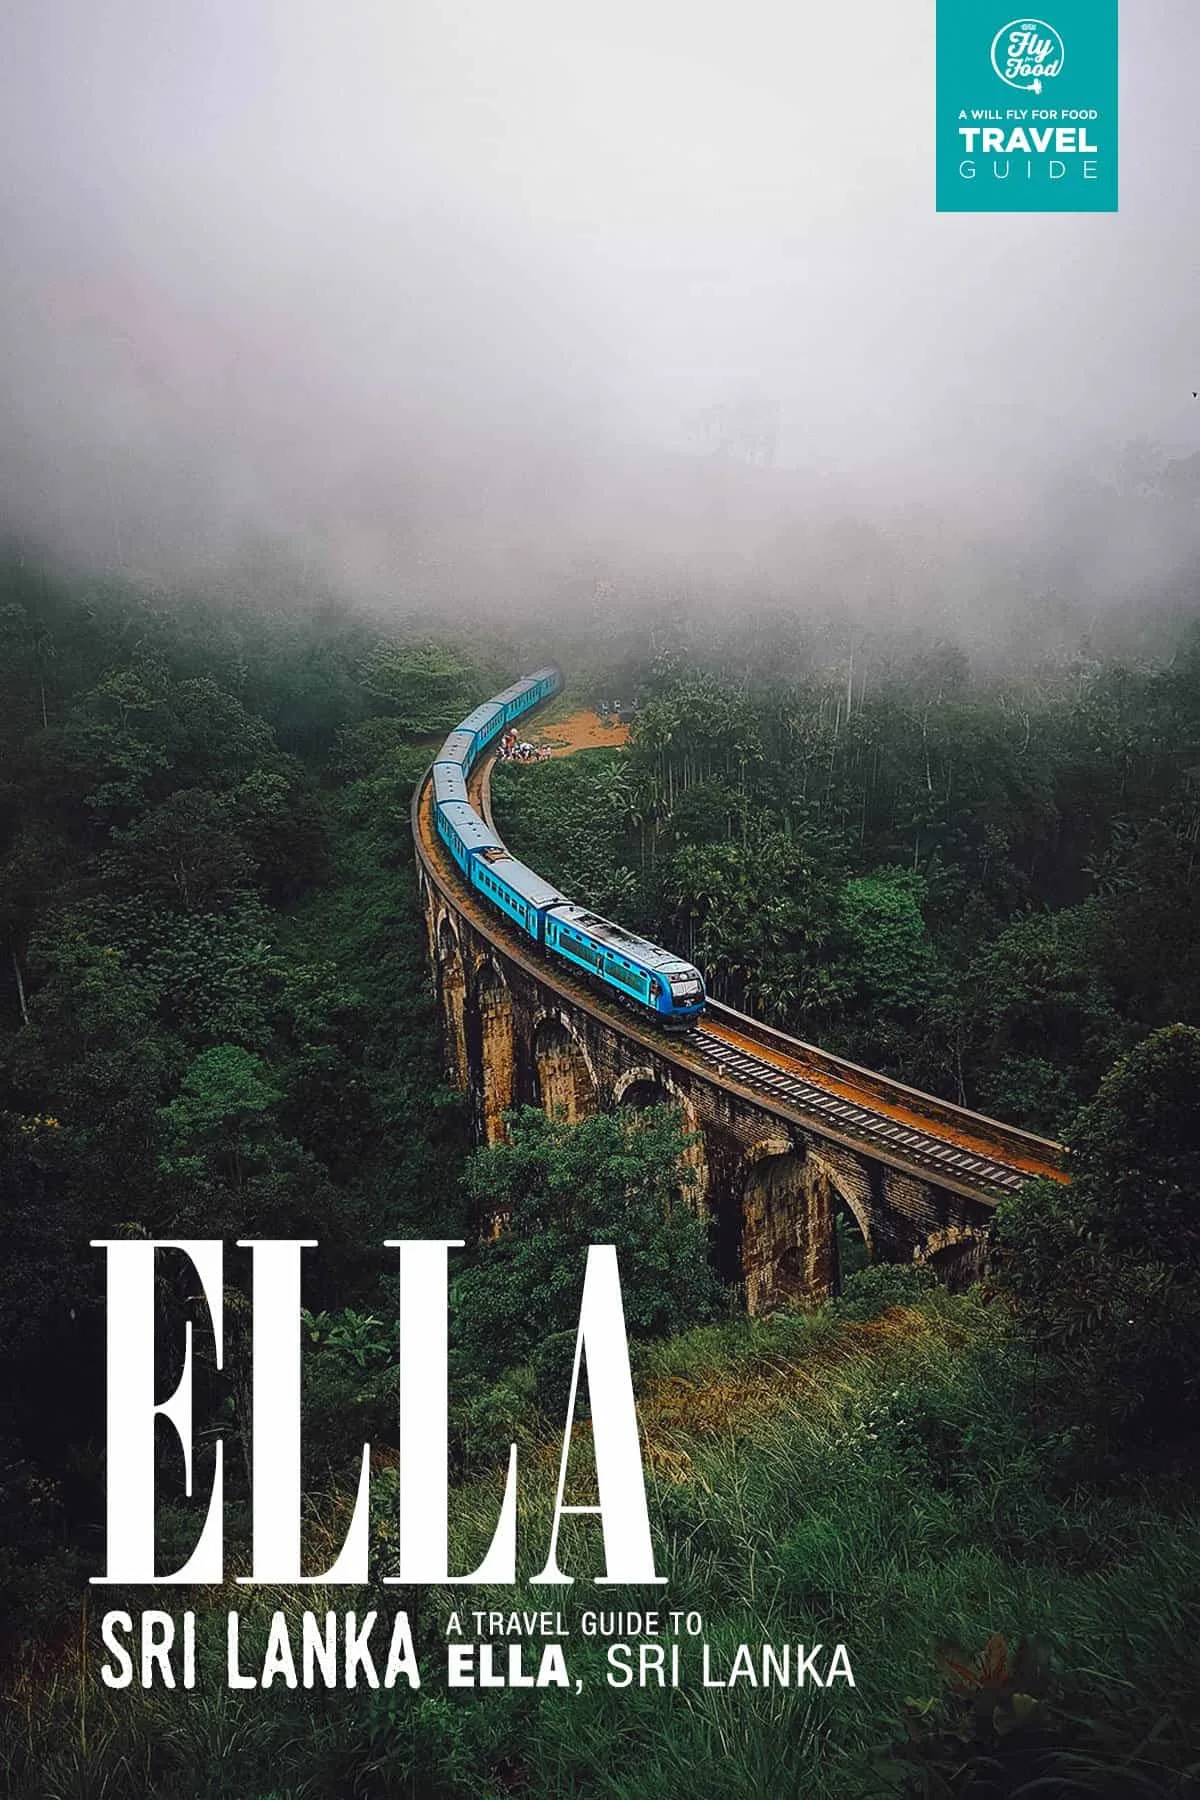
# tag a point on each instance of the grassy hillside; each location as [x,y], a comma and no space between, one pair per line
[879,1480]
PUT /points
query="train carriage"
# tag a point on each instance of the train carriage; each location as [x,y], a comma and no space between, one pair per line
[483,724]
[449,783]
[637,968]
[520,892]
[523,694]
[459,748]
[465,834]
[511,699]
[626,964]
[477,730]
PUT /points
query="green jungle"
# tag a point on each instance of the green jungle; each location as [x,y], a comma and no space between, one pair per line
[216,1020]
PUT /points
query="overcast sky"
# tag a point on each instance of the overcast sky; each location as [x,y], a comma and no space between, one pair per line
[363,280]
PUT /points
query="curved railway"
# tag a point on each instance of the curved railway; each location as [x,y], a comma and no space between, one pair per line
[869,1126]
[915,1132]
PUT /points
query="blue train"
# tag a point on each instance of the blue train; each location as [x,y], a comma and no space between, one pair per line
[640,972]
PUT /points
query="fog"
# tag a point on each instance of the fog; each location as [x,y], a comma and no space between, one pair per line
[431,304]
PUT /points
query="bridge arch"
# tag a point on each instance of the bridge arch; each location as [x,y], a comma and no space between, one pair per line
[563,1073]
[642,1086]
[957,1255]
[452,994]
[497,1086]
[851,1195]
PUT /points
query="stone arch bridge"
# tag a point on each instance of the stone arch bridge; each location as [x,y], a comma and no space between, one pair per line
[785,1134]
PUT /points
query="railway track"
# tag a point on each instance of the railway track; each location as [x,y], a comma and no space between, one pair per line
[915,1144]
[910,1129]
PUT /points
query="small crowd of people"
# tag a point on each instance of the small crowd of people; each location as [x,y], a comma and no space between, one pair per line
[514,748]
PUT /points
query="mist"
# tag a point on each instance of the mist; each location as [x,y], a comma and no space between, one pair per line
[438,306]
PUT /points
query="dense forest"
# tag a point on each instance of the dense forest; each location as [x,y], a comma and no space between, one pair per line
[215,1020]
[987,888]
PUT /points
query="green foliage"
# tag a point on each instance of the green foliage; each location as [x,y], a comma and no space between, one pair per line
[215,1018]
[868,1292]
[224,1095]
[892,954]
[1139,1144]
[360,1337]
[615,1178]
[1041,986]
[887,970]
[1107,1270]
[988,888]
[424,687]
[577,812]
[995,1735]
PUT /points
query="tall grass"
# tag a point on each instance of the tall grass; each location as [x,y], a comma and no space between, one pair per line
[813,1478]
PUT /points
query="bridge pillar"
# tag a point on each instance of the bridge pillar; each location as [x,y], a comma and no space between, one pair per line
[787,1208]
[496,1085]
[564,1079]
[452,997]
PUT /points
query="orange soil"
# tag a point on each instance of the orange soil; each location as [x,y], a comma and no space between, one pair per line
[583,731]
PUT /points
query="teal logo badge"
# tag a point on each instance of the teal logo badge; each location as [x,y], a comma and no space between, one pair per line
[1027,47]
[1026,107]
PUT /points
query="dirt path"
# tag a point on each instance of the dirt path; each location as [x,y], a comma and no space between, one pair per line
[582,731]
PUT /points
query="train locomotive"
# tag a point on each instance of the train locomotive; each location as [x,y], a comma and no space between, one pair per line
[641,973]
